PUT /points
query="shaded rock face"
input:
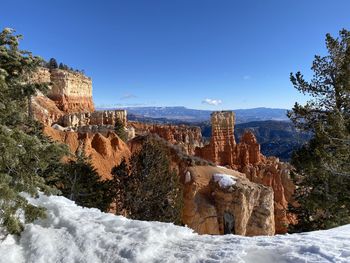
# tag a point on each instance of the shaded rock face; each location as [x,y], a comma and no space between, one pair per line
[71,91]
[246,157]
[244,208]
[186,137]
[105,151]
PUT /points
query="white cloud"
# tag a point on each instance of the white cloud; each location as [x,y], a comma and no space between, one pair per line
[127,96]
[214,102]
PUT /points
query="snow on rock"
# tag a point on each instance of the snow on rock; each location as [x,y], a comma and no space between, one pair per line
[225,180]
[74,234]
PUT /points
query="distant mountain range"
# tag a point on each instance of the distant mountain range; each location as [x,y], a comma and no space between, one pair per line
[183,114]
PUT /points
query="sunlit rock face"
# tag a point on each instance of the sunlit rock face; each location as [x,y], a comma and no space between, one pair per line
[246,157]
[106,151]
[71,91]
[222,201]
[99,118]
[188,138]
[222,143]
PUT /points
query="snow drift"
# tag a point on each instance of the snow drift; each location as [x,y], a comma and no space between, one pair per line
[74,234]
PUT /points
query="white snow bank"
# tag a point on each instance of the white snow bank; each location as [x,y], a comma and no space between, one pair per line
[75,234]
[225,180]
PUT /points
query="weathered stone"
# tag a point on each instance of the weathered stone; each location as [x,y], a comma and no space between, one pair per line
[222,141]
[206,203]
[45,110]
[188,138]
[105,151]
[246,157]
[99,118]
[71,91]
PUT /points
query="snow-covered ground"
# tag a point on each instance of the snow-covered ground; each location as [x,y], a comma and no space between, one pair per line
[75,234]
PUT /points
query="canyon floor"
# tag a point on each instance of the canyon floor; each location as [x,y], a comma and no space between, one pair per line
[74,234]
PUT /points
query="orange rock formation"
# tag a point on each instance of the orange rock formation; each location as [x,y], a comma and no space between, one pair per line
[71,91]
[188,138]
[105,151]
[246,157]
[207,204]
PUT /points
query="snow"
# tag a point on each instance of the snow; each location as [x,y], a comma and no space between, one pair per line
[225,180]
[188,177]
[74,234]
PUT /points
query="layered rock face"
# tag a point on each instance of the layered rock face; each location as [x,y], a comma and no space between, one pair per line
[222,141]
[99,118]
[276,174]
[45,110]
[186,137]
[71,91]
[210,207]
[105,151]
[246,157]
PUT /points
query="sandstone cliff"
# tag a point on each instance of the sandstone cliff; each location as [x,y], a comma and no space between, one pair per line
[99,118]
[105,151]
[243,208]
[188,138]
[246,157]
[71,91]
[206,203]
[45,110]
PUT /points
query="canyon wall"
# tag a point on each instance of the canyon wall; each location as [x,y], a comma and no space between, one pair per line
[71,91]
[105,151]
[99,118]
[188,138]
[246,157]
[206,202]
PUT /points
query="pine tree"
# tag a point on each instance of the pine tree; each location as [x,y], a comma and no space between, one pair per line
[53,63]
[61,66]
[152,191]
[81,183]
[27,157]
[324,163]
[119,183]
[120,130]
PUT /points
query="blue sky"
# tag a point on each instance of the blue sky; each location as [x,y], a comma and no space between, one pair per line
[193,53]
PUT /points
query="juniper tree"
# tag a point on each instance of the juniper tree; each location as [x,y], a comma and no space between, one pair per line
[26,155]
[324,163]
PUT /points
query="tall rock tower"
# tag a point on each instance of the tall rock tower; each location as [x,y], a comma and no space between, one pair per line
[222,136]
[222,144]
